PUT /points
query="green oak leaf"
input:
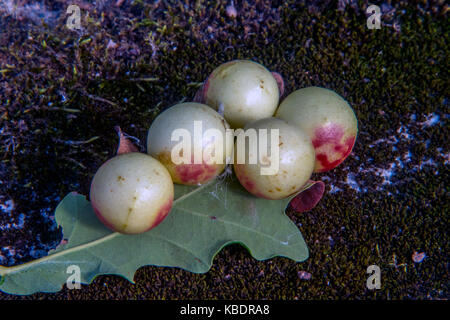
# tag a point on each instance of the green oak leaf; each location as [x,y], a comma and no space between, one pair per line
[203,220]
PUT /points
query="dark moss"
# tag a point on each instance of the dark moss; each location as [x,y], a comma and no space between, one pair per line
[61,89]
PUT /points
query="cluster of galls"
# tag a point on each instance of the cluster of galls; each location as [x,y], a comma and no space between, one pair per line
[133,192]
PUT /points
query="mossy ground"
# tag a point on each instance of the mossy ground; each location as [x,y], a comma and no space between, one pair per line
[63,92]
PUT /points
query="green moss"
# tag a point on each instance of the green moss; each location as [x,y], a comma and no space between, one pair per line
[69,88]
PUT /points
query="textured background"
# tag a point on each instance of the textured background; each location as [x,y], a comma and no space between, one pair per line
[63,91]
